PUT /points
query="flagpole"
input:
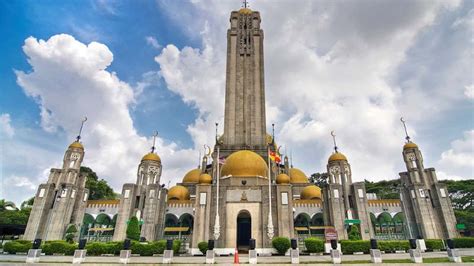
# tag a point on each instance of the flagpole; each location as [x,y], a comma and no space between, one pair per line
[270,231]
[217,226]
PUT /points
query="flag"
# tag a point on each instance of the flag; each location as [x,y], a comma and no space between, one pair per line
[274,156]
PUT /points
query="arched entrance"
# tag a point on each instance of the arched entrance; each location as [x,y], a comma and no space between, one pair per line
[244,230]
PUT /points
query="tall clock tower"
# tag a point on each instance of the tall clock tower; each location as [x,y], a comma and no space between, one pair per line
[244,121]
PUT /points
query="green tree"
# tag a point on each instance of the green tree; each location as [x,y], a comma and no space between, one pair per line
[354,233]
[319,179]
[385,189]
[133,229]
[98,189]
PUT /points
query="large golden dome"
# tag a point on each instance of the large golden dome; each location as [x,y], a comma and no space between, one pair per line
[178,193]
[76,144]
[297,176]
[311,192]
[283,179]
[192,176]
[205,179]
[244,163]
[151,157]
[410,145]
[337,156]
[245,11]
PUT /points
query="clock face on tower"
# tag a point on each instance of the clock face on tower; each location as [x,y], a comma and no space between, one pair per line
[74,156]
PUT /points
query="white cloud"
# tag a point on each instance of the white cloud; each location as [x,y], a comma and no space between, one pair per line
[70,80]
[150,40]
[328,66]
[469,91]
[5,125]
[458,160]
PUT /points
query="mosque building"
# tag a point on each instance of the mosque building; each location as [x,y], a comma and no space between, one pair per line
[242,190]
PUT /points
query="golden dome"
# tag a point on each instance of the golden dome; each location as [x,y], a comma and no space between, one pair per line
[311,192]
[283,179]
[76,144]
[337,156]
[192,176]
[244,163]
[205,179]
[151,157]
[297,176]
[178,193]
[245,11]
[410,145]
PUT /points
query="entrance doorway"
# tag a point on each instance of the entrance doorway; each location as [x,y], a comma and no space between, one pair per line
[244,231]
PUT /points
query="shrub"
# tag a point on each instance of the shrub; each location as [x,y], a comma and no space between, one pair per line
[71,229]
[393,245]
[314,245]
[161,246]
[70,238]
[61,247]
[99,248]
[464,242]
[281,244]
[203,247]
[133,229]
[354,233]
[349,246]
[1,245]
[176,246]
[434,244]
[17,246]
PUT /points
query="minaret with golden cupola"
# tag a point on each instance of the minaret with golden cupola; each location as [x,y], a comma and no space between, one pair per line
[345,201]
[425,201]
[61,202]
[145,199]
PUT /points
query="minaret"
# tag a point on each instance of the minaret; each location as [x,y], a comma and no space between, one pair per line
[429,211]
[61,201]
[345,201]
[244,121]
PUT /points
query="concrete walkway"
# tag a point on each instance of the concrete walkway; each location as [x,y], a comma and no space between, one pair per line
[186,260]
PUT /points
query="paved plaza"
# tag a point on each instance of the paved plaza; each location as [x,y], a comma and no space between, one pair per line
[274,260]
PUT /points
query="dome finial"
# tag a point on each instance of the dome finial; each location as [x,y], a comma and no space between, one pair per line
[155,134]
[405,127]
[334,140]
[80,129]
[245,4]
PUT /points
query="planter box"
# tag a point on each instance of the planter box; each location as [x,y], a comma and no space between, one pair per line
[400,251]
[358,253]
[59,254]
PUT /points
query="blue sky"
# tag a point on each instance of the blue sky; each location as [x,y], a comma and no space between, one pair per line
[137,66]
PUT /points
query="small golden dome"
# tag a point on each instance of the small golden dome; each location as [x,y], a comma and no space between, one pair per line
[311,192]
[205,179]
[297,176]
[192,176]
[244,163]
[410,145]
[337,156]
[178,193]
[245,11]
[76,144]
[151,157]
[283,179]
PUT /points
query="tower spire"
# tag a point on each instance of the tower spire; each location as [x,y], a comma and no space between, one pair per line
[334,140]
[80,129]
[405,127]
[245,4]
[155,134]
[217,138]
[273,134]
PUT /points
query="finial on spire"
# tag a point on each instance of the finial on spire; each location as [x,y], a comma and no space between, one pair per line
[245,4]
[217,138]
[155,134]
[405,127]
[199,158]
[80,129]
[334,140]
[291,158]
[273,134]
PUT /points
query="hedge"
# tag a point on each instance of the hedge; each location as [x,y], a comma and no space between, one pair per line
[464,242]
[99,248]
[17,246]
[393,245]
[314,245]
[351,246]
[60,247]
[203,247]
[281,244]
[434,244]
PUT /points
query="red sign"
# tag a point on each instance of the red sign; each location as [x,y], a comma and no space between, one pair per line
[330,234]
